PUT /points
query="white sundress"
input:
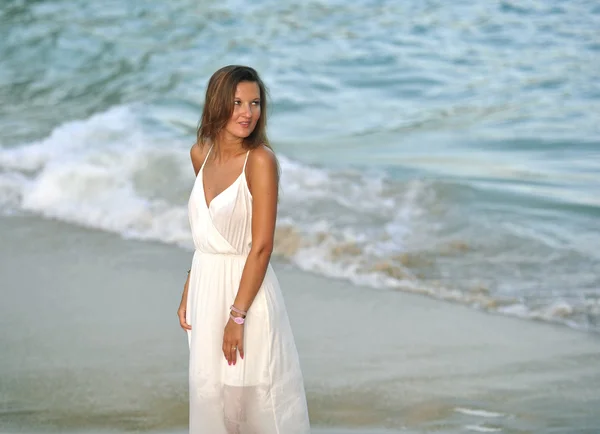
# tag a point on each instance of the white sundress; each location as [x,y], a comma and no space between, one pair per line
[263,393]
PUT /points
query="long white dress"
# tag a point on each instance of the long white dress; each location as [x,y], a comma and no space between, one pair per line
[264,392]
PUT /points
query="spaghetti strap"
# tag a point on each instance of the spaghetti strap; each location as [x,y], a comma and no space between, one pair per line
[206,158]
[245,161]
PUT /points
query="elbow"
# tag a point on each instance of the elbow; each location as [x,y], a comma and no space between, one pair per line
[263,250]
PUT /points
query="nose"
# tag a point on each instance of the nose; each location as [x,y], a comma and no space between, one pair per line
[246,110]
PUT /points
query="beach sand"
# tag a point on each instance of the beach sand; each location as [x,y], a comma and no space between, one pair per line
[91,343]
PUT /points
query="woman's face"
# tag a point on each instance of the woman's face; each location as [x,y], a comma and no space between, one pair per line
[246,110]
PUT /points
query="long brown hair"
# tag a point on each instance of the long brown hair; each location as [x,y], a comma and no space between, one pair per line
[218,105]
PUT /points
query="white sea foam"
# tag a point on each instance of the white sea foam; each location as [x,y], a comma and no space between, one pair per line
[480,428]
[109,172]
[478,412]
[86,172]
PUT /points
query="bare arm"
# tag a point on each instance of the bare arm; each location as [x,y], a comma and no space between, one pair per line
[197,155]
[261,171]
[263,182]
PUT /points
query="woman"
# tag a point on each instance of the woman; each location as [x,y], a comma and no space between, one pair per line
[244,373]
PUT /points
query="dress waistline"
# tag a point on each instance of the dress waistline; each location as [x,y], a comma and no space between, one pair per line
[202,252]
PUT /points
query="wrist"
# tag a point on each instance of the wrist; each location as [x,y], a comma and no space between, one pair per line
[235,310]
[237,319]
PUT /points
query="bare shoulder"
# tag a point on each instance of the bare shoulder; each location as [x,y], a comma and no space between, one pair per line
[262,158]
[197,154]
[262,167]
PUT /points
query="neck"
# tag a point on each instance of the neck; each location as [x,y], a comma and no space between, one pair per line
[227,145]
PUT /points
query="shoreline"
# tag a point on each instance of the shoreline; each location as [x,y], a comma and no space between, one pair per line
[93,343]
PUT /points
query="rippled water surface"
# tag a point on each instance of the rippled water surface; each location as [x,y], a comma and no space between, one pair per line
[443,148]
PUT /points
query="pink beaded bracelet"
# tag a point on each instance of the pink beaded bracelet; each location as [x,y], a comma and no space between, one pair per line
[235,309]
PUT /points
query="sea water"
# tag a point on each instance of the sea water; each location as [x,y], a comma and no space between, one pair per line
[450,149]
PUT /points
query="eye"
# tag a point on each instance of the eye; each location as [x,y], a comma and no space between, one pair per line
[237,102]
[256,102]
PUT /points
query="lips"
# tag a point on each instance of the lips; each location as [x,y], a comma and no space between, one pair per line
[245,124]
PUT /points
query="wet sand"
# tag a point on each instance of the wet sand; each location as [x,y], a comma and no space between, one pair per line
[90,342]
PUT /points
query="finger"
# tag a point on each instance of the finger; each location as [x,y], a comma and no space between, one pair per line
[183,323]
[227,352]
[241,350]
[233,354]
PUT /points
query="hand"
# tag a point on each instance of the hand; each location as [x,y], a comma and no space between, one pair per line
[181,314]
[233,337]
[182,306]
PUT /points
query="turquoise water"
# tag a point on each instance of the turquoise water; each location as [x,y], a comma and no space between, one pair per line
[450,149]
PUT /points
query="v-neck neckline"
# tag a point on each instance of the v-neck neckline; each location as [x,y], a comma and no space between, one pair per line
[208,204]
[201,174]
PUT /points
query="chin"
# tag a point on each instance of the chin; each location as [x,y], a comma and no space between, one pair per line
[245,133]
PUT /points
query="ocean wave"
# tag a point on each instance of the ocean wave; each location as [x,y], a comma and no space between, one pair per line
[88,172]
[111,173]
